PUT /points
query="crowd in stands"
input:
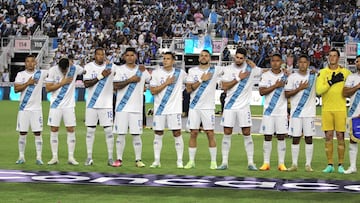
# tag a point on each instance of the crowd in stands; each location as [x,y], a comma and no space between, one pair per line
[289,27]
[21,18]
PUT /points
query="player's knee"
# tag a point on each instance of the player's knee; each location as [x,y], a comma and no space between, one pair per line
[70,129]
[296,140]
[308,140]
[267,137]
[54,129]
[176,133]
[281,136]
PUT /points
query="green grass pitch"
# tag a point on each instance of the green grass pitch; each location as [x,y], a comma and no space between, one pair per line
[30,192]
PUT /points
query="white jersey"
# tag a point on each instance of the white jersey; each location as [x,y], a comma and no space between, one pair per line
[134,102]
[303,108]
[64,97]
[173,102]
[280,108]
[205,97]
[100,95]
[351,81]
[232,101]
[30,98]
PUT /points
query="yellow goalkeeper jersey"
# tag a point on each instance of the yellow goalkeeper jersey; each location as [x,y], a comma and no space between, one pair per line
[332,97]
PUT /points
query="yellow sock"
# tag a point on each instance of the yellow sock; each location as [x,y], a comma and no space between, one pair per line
[329,151]
[341,151]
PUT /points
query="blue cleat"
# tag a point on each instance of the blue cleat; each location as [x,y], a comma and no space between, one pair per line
[329,169]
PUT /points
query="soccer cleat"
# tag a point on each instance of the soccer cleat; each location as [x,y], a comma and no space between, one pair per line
[350,170]
[53,161]
[308,168]
[282,167]
[155,165]
[110,162]
[222,167]
[189,165]
[341,169]
[20,161]
[265,167]
[179,165]
[39,162]
[89,162]
[73,162]
[252,167]
[213,165]
[139,164]
[117,163]
[329,169]
[293,168]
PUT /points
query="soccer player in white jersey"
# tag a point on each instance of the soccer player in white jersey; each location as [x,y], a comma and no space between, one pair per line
[275,112]
[352,90]
[98,79]
[300,89]
[129,83]
[201,83]
[30,83]
[61,83]
[238,82]
[167,86]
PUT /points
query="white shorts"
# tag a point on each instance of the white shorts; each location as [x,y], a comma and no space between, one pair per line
[125,121]
[26,119]
[173,122]
[274,124]
[242,115]
[68,114]
[298,126]
[204,116]
[104,116]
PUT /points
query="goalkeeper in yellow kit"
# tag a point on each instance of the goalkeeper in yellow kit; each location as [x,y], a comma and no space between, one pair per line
[329,85]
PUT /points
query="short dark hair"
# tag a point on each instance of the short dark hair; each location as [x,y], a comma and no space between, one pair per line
[207,51]
[64,63]
[132,49]
[170,53]
[30,56]
[335,50]
[304,56]
[276,54]
[99,49]
[241,51]
[358,56]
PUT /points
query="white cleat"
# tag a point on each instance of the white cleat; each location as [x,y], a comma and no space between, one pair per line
[350,170]
[73,162]
[53,161]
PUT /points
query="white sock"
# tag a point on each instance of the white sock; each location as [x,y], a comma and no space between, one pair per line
[295,153]
[38,146]
[90,137]
[22,145]
[120,146]
[308,153]
[281,151]
[137,143]
[54,143]
[225,148]
[213,153]
[192,153]
[179,146]
[353,150]
[267,147]
[157,147]
[71,141]
[249,148]
[109,141]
